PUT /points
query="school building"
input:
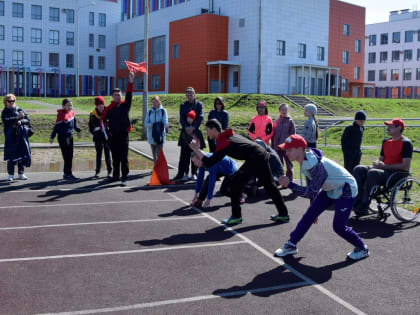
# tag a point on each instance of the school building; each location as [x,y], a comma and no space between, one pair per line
[392,56]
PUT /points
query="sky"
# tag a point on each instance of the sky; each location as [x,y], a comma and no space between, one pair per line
[378,10]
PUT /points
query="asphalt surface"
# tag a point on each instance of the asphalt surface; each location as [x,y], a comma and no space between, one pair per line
[95,247]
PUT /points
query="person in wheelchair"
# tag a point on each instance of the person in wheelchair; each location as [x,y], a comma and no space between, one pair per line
[395,157]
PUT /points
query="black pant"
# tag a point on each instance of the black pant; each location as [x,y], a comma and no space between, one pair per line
[261,169]
[224,188]
[311,145]
[119,151]
[102,144]
[184,161]
[66,146]
[11,167]
[351,160]
[212,144]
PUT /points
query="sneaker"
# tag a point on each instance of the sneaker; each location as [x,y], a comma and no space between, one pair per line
[124,183]
[288,249]
[185,177]
[109,174]
[96,174]
[70,177]
[232,220]
[10,178]
[193,177]
[280,218]
[358,253]
[178,177]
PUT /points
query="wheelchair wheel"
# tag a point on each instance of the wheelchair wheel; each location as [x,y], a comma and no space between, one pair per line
[405,199]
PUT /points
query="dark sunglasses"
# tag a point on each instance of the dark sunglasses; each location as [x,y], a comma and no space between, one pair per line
[11,101]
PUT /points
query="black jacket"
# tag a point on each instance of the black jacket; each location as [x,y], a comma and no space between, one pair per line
[351,139]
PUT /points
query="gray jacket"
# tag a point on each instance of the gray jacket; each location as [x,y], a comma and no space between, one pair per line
[309,131]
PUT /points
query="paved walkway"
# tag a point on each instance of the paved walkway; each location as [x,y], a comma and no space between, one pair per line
[51,108]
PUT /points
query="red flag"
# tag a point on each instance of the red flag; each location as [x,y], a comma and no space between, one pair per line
[136,67]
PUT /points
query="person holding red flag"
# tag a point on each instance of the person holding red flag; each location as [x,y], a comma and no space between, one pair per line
[115,122]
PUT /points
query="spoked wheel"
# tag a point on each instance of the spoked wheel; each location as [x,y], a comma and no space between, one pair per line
[405,199]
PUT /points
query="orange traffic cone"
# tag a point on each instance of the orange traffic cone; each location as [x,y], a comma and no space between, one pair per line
[160,173]
[154,179]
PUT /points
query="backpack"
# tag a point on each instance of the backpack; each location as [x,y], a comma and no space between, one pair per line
[157,129]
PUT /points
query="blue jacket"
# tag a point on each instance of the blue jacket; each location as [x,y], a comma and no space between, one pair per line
[225,166]
[155,115]
[64,125]
[222,117]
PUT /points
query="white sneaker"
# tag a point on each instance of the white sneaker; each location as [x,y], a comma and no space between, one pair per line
[123,183]
[358,253]
[287,249]
[193,177]
[22,177]
[185,178]
[10,178]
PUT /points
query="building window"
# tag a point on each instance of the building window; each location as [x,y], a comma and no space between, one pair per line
[92,40]
[54,38]
[122,83]
[418,54]
[36,81]
[235,79]
[101,62]
[69,61]
[123,54]
[101,41]
[384,39]
[357,73]
[91,18]
[1,56]
[346,56]
[407,74]
[382,75]
[358,45]
[175,51]
[139,51]
[396,37]
[1,32]
[155,82]
[281,48]
[418,74]
[54,14]
[372,57]
[371,75]
[17,57]
[346,30]
[53,60]
[236,47]
[17,34]
[139,82]
[344,85]
[70,16]
[320,53]
[409,36]
[301,50]
[36,58]
[102,19]
[158,50]
[395,74]
[2,14]
[70,82]
[395,55]
[242,22]
[36,35]
[36,12]
[372,40]
[70,38]
[383,56]
[408,55]
[90,62]
[17,10]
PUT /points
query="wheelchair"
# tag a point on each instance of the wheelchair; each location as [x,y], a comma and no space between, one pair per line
[400,194]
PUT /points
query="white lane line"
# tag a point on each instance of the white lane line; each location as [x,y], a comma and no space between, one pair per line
[85,203]
[281,263]
[121,252]
[184,300]
[97,223]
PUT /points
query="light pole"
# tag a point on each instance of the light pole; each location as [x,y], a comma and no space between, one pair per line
[78,45]
[146,60]
[402,72]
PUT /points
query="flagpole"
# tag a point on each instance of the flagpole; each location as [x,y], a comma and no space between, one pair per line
[146,60]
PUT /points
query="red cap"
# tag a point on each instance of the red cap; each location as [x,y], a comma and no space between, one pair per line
[262,103]
[396,122]
[191,114]
[99,100]
[293,141]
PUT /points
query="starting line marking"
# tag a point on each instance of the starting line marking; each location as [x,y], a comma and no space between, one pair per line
[122,252]
[280,262]
[85,204]
[97,223]
[184,300]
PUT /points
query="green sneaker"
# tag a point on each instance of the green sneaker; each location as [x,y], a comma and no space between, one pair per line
[280,218]
[232,220]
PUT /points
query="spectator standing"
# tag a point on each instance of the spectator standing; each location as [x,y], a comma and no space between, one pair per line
[351,141]
[261,126]
[221,115]
[17,130]
[310,128]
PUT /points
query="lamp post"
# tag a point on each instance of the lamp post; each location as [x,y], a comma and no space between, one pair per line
[78,45]
[402,73]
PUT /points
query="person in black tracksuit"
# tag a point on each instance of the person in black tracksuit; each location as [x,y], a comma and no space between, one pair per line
[351,141]
[116,120]
[256,164]
[64,126]
[101,144]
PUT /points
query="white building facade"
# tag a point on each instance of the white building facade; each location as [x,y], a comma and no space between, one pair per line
[392,56]
[41,40]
